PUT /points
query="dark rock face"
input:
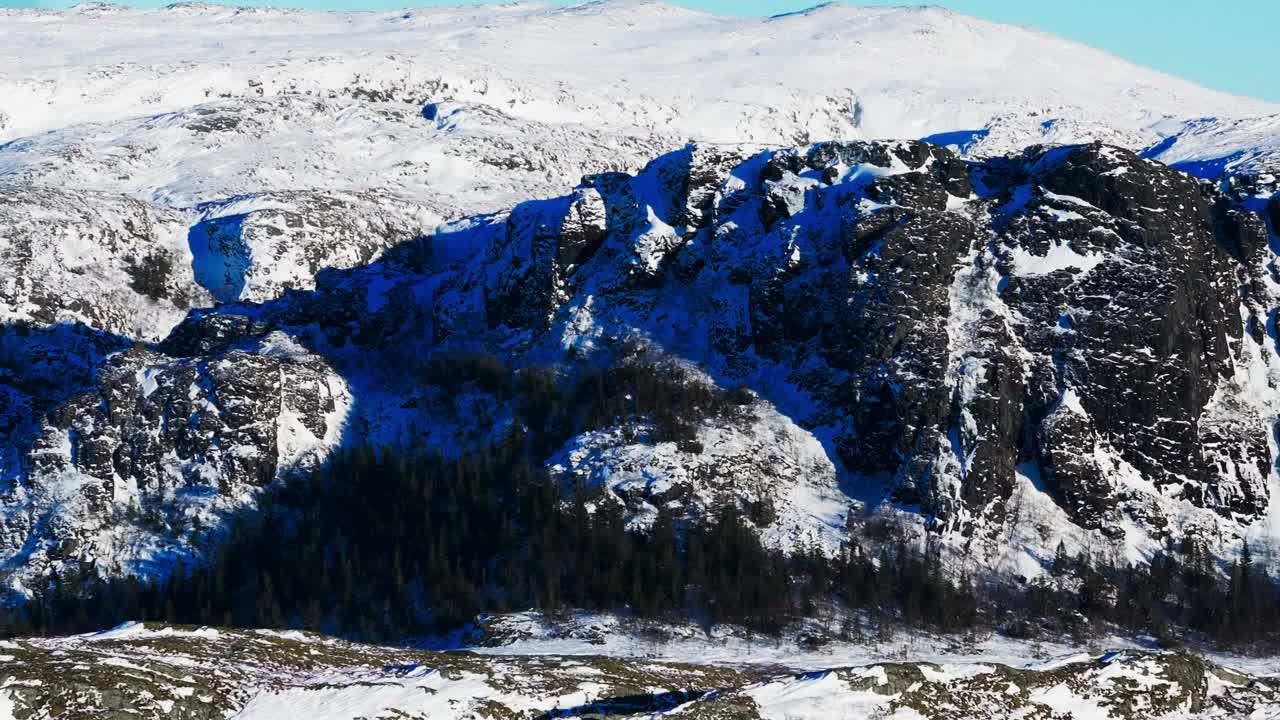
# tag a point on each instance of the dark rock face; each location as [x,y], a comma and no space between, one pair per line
[1142,342]
[949,332]
[1080,315]
[149,416]
[1105,349]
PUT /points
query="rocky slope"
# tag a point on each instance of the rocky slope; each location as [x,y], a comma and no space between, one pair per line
[218,266]
[158,672]
[100,260]
[342,108]
[1067,343]
[480,108]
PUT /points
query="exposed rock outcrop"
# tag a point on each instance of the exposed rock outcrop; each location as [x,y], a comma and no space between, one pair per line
[1076,322]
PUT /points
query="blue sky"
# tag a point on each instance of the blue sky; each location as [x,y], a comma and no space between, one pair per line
[1224,44]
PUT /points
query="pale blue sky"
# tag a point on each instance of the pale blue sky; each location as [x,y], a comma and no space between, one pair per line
[1225,44]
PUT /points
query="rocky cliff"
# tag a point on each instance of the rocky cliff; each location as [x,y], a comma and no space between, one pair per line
[1064,343]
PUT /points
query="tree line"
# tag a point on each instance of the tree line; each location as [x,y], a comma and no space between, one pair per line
[384,544]
[1183,590]
[379,546]
[383,547]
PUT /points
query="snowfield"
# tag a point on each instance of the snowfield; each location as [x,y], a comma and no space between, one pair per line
[160,671]
[482,107]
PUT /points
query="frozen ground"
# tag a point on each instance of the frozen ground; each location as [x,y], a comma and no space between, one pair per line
[156,671]
[531,633]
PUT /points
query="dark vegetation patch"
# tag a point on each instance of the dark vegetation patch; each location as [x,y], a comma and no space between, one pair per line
[642,387]
[149,276]
[382,546]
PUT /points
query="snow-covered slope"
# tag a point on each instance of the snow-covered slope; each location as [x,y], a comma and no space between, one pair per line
[186,672]
[189,103]
[451,112]
[972,335]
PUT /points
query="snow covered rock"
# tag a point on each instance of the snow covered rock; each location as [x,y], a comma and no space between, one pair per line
[254,248]
[916,330]
[131,268]
[102,260]
[757,458]
[932,326]
[123,476]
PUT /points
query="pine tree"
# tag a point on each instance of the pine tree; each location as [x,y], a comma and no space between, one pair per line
[1061,561]
[1242,595]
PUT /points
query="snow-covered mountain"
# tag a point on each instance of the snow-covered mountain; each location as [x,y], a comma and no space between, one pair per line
[233,238]
[1069,343]
[483,107]
[451,112]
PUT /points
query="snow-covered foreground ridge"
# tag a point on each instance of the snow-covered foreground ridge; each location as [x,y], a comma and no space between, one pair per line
[177,672]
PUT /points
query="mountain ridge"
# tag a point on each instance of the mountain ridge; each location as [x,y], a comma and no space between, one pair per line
[1025,273]
[461,228]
